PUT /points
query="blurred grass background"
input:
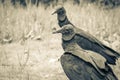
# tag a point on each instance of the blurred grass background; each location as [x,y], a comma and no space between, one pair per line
[29,50]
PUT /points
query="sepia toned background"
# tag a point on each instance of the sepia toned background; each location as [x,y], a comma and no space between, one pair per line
[29,50]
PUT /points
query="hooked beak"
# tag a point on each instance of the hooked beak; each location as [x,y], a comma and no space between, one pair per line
[59,31]
[54,12]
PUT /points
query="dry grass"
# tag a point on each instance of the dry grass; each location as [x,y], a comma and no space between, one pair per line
[38,60]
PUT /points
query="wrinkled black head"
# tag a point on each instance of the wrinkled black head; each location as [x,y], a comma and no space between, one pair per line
[60,11]
[61,16]
[67,31]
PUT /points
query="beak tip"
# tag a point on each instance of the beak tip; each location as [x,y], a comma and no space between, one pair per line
[53,32]
[54,12]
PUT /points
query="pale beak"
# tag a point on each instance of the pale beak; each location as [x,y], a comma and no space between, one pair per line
[59,31]
[54,12]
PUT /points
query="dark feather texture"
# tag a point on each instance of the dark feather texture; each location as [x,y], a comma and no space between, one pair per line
[87,41]
[76,42]
[78,69]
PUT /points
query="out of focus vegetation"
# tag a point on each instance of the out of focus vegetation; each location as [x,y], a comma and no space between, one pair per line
[20,17]
[29,50]
[47,3]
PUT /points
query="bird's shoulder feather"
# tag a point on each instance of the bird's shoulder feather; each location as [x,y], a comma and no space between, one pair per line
[80,67]
[91,38]
[88,36]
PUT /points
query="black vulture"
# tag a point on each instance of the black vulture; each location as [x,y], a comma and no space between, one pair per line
[77,63]
[86,40]
[77,69]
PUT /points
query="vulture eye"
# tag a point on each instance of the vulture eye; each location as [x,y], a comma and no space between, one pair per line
[61,12]
[67,31]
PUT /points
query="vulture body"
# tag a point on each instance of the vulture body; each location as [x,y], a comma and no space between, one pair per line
[78,61]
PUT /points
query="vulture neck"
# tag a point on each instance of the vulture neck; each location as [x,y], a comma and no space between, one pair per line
[64,22]
[69,37]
